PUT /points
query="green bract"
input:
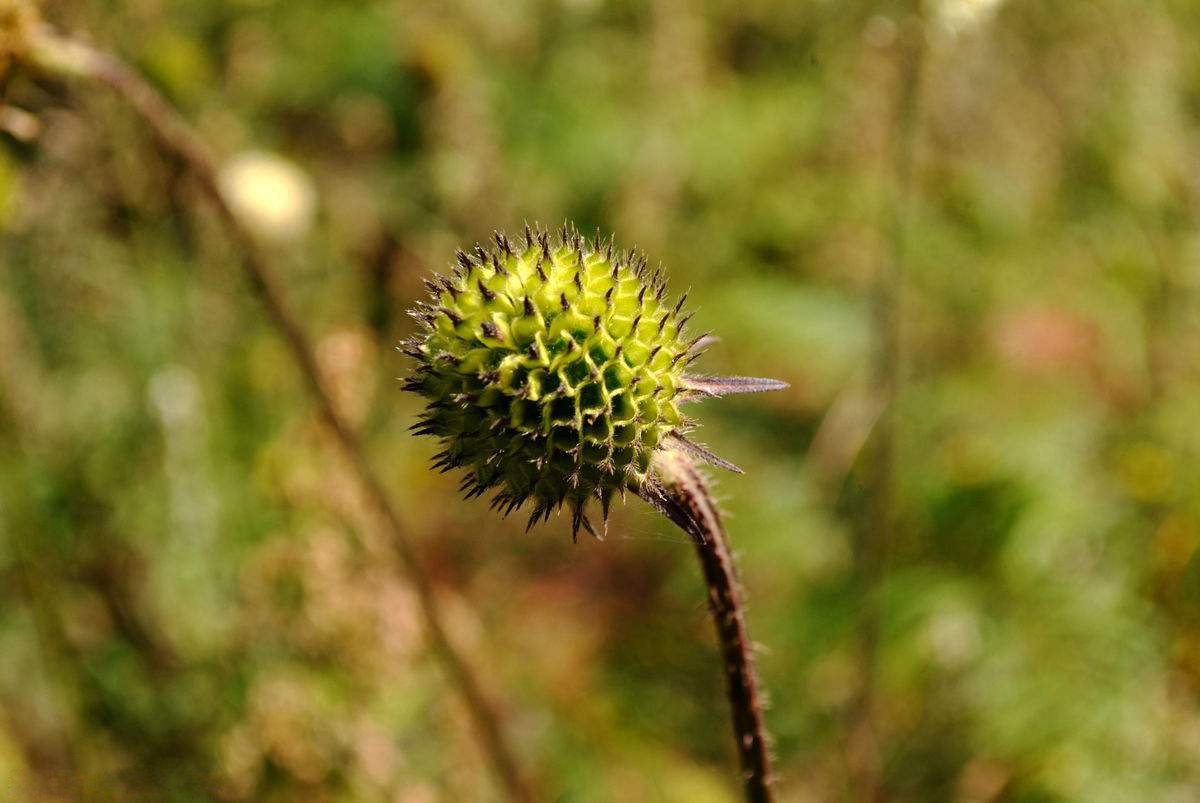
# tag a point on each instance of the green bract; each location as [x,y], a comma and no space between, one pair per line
[554,371]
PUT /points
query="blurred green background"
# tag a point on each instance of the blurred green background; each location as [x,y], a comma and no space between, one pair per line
[193,605]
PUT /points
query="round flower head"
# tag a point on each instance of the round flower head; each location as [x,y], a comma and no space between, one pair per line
[555,370]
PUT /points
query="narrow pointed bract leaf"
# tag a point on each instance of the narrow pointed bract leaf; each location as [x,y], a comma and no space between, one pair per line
[677,439]
[727,385]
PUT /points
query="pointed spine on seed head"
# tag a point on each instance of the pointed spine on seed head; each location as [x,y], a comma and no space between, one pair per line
[498,266]
[502,242]
[491,330]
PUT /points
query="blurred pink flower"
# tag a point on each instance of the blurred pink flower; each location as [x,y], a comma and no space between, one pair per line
[1040,340]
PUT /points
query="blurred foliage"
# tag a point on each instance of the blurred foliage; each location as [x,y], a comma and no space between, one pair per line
[194,606]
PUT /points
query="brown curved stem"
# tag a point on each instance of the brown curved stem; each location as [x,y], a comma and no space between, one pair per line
[685,499]
[68,57]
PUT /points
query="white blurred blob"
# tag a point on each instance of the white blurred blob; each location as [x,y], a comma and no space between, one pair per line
[963,16]
[953,637]
[270,194]
[175,395]
[176,399]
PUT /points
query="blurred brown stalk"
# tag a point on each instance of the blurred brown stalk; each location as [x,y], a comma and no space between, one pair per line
[70,58]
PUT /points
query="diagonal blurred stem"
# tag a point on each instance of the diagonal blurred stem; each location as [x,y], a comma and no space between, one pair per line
[686,500]
[878,523]
[67,57]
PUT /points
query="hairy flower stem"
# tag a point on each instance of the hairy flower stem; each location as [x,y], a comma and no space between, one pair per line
[70,58]
[687,501]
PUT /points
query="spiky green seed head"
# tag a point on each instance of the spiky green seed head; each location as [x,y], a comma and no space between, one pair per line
[554,370]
